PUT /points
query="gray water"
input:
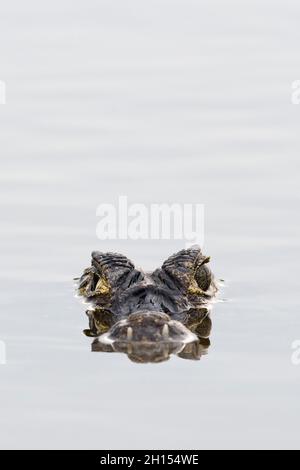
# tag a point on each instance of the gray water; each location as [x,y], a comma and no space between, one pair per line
[162,101]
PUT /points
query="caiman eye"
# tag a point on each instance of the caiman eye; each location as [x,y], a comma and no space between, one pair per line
[93,283]
[203,277]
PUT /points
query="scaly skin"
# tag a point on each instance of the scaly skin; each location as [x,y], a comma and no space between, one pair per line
[149,316]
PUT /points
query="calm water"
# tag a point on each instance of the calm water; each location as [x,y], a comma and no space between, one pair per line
[162,101]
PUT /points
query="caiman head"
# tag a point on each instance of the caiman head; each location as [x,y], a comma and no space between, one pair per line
[149,315]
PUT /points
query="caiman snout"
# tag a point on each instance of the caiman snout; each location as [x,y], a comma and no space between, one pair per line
[148,327]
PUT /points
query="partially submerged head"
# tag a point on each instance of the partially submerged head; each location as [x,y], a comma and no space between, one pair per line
[148,316]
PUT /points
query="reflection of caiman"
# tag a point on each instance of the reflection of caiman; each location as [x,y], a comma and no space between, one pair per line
[149,316]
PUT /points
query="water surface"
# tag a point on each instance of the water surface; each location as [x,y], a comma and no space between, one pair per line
[163,102]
